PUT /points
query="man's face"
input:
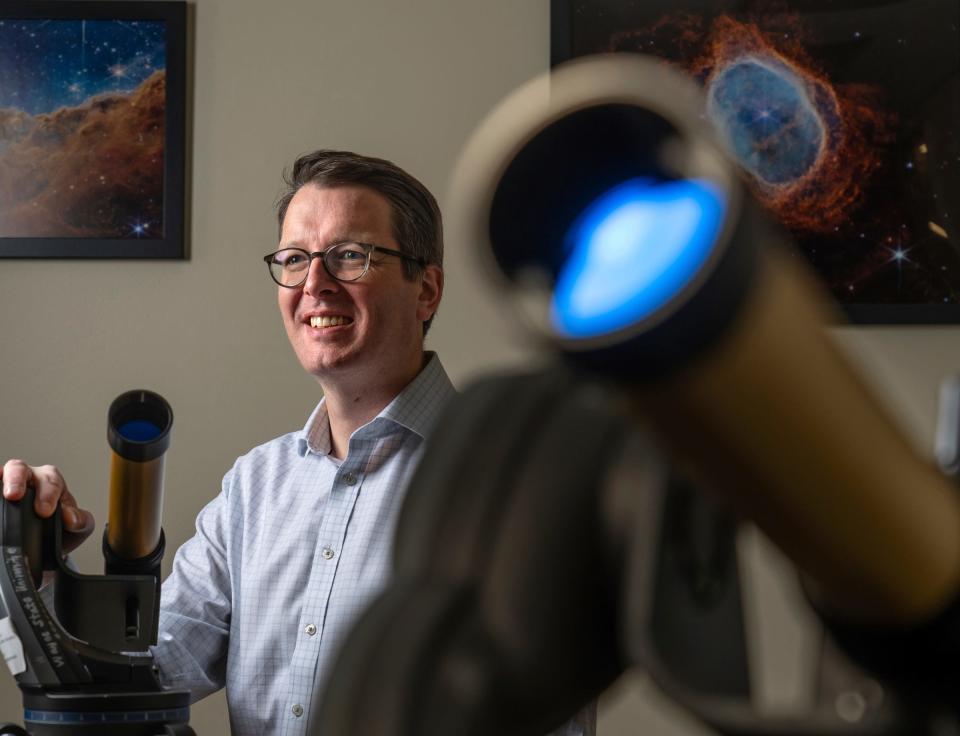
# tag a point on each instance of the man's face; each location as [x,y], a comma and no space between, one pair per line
[377,331]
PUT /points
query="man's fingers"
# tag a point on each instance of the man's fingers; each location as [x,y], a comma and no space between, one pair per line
[50,486]
[45,479]
[15,475]
[73,515]
[75,535]
[79,521]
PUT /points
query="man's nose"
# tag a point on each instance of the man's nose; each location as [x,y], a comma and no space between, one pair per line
[318,280]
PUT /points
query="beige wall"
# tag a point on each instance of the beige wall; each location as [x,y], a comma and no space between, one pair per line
[405,80]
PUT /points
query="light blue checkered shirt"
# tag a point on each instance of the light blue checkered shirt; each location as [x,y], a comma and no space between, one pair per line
[286,557]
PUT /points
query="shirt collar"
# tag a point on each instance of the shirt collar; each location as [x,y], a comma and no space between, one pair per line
[415,409]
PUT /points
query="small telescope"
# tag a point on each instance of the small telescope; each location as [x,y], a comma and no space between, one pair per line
[87,670]
[138,430]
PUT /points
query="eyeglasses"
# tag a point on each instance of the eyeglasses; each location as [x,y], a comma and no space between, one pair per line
[346,261]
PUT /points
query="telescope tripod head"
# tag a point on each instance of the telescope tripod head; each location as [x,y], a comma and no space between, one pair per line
[84,668]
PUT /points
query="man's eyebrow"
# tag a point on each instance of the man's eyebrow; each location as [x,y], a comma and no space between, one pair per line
[297,243]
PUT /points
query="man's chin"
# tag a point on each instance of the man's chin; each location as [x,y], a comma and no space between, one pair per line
[329,365]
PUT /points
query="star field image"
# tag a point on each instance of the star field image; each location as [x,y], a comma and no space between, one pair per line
[82,107]
[844,124]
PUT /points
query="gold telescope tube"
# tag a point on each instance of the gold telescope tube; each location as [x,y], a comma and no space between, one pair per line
[721,347]
[775,417]
[138,431]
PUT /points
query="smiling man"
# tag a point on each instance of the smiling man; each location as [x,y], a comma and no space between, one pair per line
[354,304]
[298,541]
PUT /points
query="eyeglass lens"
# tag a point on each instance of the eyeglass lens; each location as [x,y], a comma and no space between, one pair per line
[344,261]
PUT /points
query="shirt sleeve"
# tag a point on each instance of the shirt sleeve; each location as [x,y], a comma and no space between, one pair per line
[195,606]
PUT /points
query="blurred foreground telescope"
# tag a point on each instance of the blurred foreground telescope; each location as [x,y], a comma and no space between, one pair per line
[556,532]
[86,670]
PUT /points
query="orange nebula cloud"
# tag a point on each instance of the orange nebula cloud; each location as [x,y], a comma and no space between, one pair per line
[86,172]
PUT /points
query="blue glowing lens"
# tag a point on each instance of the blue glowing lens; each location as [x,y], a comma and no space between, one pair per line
[139,430]
[633,250]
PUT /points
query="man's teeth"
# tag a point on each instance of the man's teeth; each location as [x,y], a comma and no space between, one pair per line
[329,321]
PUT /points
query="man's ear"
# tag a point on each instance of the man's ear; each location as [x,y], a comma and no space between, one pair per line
[431,290]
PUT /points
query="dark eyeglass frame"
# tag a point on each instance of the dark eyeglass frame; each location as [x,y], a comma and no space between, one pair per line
[368,248]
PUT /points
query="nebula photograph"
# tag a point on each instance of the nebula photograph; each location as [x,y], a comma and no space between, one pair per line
[82,138]
[843,122]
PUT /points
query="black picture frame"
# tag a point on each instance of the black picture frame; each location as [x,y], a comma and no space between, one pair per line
[141,241]
[571,35]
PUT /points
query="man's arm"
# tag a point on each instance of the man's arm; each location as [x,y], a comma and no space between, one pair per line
[195,607]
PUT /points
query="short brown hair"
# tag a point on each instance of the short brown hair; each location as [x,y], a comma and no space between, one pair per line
[415,215]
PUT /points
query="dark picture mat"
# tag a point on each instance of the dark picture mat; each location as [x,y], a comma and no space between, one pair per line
[171,244]
[910,52]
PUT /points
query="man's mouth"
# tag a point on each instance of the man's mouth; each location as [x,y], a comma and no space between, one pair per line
[336,321]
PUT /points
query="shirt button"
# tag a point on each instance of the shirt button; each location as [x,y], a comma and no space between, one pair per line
[327,553]
[350,479]
[297,710]
[311,629]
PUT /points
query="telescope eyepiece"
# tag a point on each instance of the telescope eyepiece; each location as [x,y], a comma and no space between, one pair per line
[138,425]
[609,213]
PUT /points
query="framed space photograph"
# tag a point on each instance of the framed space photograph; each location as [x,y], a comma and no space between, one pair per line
[844,116]
[92,127]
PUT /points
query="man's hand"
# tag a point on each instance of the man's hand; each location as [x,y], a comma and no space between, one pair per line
[50,487]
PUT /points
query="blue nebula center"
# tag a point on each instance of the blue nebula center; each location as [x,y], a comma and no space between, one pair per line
[764,111]
[632,251]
